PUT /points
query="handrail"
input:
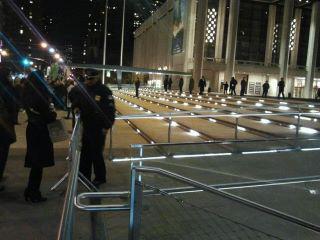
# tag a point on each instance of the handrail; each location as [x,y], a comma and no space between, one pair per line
[182,114]
[224,142]
[95,208]
[66,223]
[229,196]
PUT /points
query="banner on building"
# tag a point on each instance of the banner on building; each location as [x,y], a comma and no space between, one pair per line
[179,16]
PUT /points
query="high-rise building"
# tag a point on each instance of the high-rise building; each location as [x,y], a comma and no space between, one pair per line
[143,10]
[17,31]
[136,13]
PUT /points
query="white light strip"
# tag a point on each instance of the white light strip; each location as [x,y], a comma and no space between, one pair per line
[259,152]
[202,155]
[137,159]
[310,149]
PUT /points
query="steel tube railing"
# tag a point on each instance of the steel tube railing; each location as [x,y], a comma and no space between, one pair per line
[230,196]
[66,223]
[103,208]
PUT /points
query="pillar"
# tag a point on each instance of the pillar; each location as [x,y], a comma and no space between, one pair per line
[200,31]
[312,49]
[285,34]
[220,29]
[232,38]
[294,52]
[270,34]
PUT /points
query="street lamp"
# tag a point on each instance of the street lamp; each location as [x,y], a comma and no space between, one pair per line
[57,56]
[44,45]
[51,50]
[4,53]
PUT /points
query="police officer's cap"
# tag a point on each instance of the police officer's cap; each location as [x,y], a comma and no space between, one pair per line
[92,73]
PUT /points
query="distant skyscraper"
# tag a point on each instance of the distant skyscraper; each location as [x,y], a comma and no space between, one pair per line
[143,10]
[18,33]
[136,12]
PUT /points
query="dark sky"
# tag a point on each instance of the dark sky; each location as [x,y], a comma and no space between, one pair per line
[70,20]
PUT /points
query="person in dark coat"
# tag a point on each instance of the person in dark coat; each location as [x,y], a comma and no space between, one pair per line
[39,145]
[281,86]
[318,94]
[225,87]
[170,84]
[243,84]
[233,85]
[265,88]
[137,86]
[181,85]
[191,85]
[8,118]
[165,83]
[97,108]
[202,84]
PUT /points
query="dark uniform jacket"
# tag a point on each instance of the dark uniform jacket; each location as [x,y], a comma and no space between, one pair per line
[39,145]
[96,105]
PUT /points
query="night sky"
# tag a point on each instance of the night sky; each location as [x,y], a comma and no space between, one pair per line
[70,21]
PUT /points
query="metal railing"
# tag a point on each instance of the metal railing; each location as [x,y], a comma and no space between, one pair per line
[67,218]
[137,192]
[169,117]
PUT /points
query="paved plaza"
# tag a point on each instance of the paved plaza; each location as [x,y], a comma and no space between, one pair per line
[207,216]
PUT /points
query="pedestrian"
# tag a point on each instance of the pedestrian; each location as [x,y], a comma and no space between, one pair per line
[318,94]
[191,85]
[97,108]
[165,83]
[243,84]
[265,88]
[202,84]
[137,86]
[69,104]
[8,118]
[40,152]
[233,85]
[181,85]
[225,88]
[170,84]
[281,86]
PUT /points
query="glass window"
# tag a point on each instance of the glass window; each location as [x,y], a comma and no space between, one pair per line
[304,37]
[252,31]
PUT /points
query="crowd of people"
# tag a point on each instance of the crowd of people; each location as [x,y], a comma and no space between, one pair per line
[36,97]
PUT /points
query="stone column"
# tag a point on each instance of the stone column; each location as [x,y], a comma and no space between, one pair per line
[312,49]
[200,31]
[232,38]
[294,52]
[285,34]
[220,29]
[270,32]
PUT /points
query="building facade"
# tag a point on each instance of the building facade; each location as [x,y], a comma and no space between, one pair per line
[251,39]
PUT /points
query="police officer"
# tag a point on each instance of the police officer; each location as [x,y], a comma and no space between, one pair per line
[97,108]
[191,85]
[137,86]
[170,84]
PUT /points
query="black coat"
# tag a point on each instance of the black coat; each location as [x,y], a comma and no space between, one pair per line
[8,113]
[96,105]
[39,145]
